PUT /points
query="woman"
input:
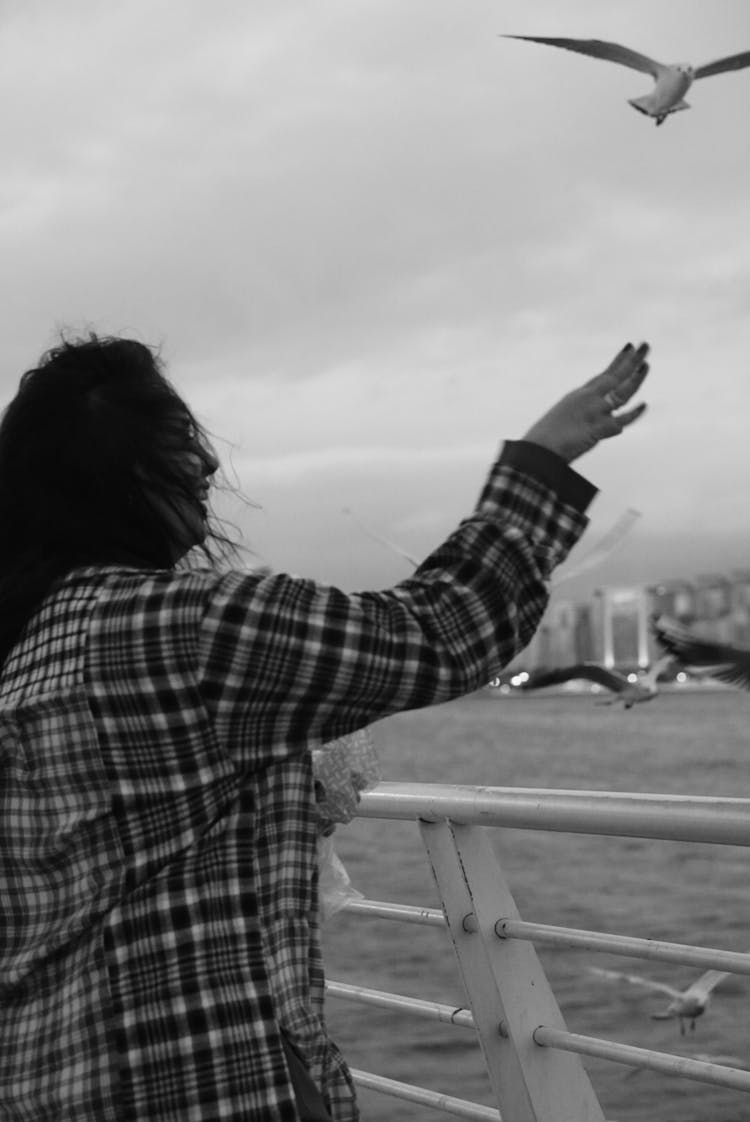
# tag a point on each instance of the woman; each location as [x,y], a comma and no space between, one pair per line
[145,708]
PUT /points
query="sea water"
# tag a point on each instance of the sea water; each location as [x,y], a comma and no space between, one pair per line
[695,743]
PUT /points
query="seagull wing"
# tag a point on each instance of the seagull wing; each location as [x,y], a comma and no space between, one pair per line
[664,663]
[603,548]
[707,982]
[650,680]
[598,48]
[592,671]
[720,660]
[635,980]
[380,539]
[721,65]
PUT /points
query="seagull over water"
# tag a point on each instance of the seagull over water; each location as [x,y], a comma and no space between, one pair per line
[629,693]
[717,660]
[686,1005]
[673,80]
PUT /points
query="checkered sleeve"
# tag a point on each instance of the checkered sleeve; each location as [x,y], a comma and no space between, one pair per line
[290,663]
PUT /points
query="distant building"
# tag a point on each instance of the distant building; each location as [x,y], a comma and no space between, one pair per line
[584,633]
[563,637]
[561,621]
[711,596]
[613,628]
[620,627]
[675,598]
[739,606]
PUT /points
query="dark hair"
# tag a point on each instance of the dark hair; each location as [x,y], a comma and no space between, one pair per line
[87,428]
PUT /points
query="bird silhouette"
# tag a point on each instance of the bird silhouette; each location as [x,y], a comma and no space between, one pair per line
[685,1006]
[625,691]
[716,660]
[672,80]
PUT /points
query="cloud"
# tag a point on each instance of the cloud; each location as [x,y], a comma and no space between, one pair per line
[364,233]
[288,469]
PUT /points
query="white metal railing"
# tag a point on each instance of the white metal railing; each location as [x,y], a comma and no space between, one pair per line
[532,1059]
[617,814]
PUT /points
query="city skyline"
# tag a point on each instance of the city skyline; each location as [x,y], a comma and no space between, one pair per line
[612,625]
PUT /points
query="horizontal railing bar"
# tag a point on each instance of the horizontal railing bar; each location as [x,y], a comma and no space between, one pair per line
[699,1070]
[431,1010]
[710,958]
[723,821]
[461,1108]
[407,913]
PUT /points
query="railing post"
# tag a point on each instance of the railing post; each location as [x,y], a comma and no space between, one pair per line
[508,990]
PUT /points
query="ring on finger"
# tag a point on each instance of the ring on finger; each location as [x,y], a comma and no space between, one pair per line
[611,401]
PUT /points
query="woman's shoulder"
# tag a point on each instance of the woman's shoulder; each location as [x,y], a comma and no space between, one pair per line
[137,588]
[135,578]
[183,599]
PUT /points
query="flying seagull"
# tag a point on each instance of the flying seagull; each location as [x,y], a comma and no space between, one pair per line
[717,660]
[686,1005]
[672,80]
[606,545]
[629,693]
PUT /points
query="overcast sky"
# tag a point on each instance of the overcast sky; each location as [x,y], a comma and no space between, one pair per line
[373,239]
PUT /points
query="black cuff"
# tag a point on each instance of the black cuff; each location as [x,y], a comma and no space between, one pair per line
[550,469]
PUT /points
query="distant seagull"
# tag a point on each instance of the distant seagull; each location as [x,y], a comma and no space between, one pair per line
[686,1005]
[717,660]
[629,693]
[672,81]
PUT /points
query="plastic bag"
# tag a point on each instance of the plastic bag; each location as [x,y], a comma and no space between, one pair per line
[335,889]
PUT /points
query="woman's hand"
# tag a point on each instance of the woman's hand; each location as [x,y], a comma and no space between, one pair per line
[587,415]
[339,805]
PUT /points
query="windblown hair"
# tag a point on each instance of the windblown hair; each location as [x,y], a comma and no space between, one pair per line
[87,428]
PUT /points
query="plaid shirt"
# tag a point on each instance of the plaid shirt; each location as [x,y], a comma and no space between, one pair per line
[154,729]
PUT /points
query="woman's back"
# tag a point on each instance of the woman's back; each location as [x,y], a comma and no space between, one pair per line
[132,966]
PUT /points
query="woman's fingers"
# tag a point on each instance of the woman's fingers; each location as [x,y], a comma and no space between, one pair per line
[624,373]
[612,373]
[613,424]
[590,413]
[625,419]
[631,381]
[621,360]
